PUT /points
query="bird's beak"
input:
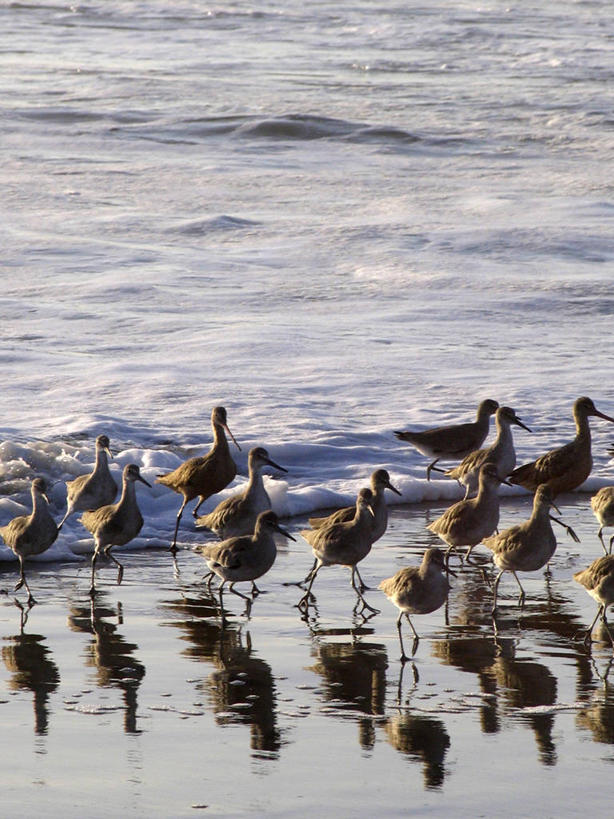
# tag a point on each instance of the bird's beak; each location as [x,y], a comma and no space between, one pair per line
[142,480]
[393,489]
[276,466]
[520,424]
[109,453]
[602,415]
[284,532]
[232,436]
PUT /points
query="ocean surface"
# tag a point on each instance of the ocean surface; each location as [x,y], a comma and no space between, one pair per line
[336,220]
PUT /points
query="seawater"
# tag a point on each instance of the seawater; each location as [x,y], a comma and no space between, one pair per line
[336,220]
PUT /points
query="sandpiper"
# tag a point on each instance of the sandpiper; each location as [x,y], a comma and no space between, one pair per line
[468,522]
[116,524]
[237,515]
[501,453]
[32,534]
[526,547]
[566,467]
[206,475]
[417,590]
[598,580]
[602,504]
[245,558]
[344,544]
[452,442]
[94,490]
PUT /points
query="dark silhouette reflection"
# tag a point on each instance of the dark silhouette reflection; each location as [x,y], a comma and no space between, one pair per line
[598,717]
[32,669]
[421,737]
[242,688]
[354,677]
[512,685]
[109,653]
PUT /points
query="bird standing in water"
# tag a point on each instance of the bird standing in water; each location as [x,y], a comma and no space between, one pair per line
[206,475]
[32,534]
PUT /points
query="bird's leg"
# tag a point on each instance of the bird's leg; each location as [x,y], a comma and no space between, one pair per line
[201,500]
[600,536]
[570,531]
[363,586]
[494,592]
[256,590]
[432,468]
[404,656]
[120,568]
[209,576]
[23,582]
[521,597]
[92,584]
[234,591]
[606,624]
[303,603]
[179,514]
[587,636]
[301,583]
[365,605]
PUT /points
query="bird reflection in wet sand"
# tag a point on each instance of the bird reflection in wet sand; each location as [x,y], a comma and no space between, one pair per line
[32,669]
[421,737]
[354,678]
[598,716]
[242,688]
[110,654]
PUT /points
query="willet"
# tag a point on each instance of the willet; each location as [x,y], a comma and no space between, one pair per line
[237,515]
[526,547]
[32,534]
[567,467]
[598,580]
[245,558]
[116,524]
[94,490]
[501,453]
[602,504]
[417,590]
[343,544]
[468,522]
[203,476]
[380,481]
[452,442]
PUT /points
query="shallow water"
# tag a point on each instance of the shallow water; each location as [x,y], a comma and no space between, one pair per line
[337,220]
[143,702]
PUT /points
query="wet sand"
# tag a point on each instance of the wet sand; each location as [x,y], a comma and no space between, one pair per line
[144,704]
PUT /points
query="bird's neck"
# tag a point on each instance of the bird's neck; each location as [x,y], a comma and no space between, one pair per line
[219,437]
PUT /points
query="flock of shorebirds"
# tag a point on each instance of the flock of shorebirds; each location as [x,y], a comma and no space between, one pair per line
[247,525]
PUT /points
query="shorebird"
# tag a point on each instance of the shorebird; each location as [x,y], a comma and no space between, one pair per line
[116,524]
[602,504]
[526,547]
[344,544]
[380,481]
[203,476]
[245,558]
[567,467]
[32,534]
[237,515]
[94,490]
[501,453]
[452,442]
[417,590]
[598,580]
[468,522]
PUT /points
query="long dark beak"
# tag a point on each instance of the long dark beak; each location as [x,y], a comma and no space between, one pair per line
[520,424]
[142,480]
[232,436]
[507,483]
[277,466]
[109,453]
[393,489]
[602,415]
[284,532]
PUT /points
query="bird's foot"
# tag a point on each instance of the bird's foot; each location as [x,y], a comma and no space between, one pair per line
[120,575]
